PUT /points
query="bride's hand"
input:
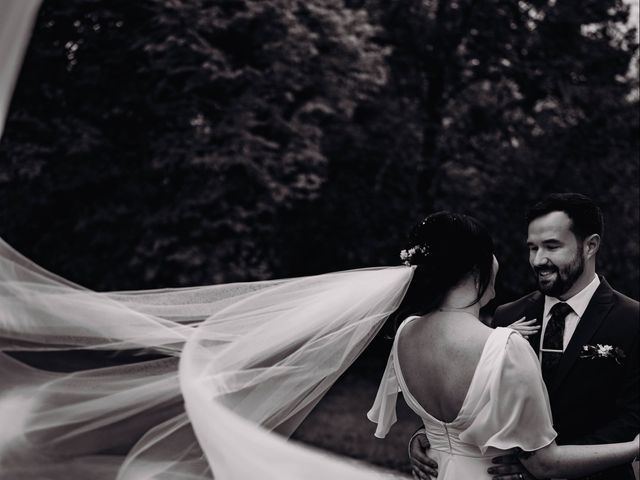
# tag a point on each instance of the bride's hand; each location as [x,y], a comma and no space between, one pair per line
[525,327]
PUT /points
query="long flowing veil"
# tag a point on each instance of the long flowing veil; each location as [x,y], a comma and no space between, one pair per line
[185,383]
[203,375]
[16,19]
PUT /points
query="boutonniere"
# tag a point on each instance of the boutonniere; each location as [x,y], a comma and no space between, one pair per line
[603,351]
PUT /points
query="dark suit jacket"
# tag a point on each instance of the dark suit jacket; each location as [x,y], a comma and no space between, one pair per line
[592,400]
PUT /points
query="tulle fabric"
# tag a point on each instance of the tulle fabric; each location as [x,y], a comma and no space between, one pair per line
[16,19]
[232,363]
[179,384]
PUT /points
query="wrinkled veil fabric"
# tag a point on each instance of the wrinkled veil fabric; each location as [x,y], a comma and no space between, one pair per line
[185,383]
[236,362]
[16,19]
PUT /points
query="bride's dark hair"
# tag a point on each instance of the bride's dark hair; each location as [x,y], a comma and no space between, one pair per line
[445,247]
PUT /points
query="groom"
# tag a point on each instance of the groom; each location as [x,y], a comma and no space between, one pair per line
[588,351]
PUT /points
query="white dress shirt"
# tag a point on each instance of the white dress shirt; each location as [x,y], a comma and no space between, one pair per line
[578,303]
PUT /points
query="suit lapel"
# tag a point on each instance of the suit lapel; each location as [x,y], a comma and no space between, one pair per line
[594,315]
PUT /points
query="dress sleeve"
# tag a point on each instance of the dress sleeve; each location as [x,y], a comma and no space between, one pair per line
[383,411]
[512,407]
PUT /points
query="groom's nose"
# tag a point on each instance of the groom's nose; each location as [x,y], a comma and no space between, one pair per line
[539,258]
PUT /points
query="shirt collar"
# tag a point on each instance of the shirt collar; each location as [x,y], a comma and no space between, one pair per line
[578,302]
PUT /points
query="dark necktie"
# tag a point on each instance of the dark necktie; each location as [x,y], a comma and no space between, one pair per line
[552,341]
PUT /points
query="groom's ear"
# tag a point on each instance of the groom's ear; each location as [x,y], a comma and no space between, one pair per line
[591,245]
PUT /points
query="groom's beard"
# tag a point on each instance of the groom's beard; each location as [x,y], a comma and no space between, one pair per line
[560,279]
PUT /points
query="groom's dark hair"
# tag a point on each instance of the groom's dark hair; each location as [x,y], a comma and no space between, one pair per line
[586,217]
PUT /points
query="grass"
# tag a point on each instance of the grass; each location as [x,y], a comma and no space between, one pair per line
[339,423]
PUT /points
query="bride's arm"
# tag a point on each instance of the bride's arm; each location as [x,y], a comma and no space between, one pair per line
[573,461]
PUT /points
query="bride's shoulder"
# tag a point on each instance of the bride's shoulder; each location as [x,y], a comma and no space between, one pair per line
[409,320]
[513,338]
[413,330]
[516,346]
[509,338]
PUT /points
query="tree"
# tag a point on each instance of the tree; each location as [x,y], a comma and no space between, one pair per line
[176,132]
[518,100]
[192,142]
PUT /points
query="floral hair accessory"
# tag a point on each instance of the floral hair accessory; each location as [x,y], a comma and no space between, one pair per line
[603,351]
[407,255]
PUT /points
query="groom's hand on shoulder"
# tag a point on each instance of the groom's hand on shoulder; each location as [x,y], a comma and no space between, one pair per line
[422,467]
[508,467]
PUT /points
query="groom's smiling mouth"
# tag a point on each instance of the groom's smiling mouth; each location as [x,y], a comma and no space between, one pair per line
[546,274]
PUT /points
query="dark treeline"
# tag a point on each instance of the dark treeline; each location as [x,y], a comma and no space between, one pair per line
[171,143]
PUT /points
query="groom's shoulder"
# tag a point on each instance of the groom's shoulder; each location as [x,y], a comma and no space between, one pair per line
[622,312]
[522,302]
[621,302]
[623,318]
[515,309]
[626,306]
[625,301]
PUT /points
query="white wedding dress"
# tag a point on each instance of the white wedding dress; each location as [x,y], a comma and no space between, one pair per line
[506,407]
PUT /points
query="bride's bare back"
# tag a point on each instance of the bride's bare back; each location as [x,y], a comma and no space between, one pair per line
[438,356]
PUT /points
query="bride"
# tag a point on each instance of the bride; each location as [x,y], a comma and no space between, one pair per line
[479,391]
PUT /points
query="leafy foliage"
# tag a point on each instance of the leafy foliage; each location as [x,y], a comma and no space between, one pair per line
[160,143]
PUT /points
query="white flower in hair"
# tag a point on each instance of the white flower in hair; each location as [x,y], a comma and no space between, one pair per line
[407,255]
